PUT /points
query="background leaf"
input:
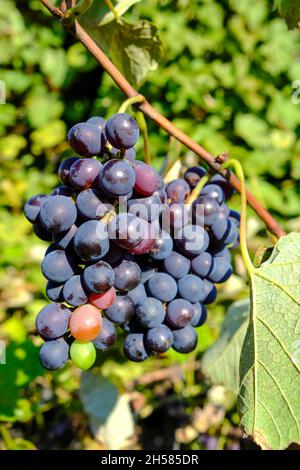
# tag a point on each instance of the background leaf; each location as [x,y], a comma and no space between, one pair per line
[134,48]
[107,410]
[290,10]
[220,363]
[270,380]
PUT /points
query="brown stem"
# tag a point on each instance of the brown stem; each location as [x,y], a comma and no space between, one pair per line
[272,225]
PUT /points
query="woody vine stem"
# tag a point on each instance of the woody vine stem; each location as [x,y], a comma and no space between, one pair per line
[147,109]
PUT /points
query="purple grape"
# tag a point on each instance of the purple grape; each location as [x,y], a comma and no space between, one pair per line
[58,214]
[159,339]
[134,347]
[178,190]
[122,311]
[89,204]
[98,277]
[63,240]
[162,286]
[117,177]
[214,192]
[177,265]
[192,240]
[86,139]
[150,312]
[84,173]
[33,206]
[194,174]
[185,339]
[202,264]
[127,275]
[53,321]
[107,336]
[122,131]
[58,266]
[91,241]
[200,314]
[190,287]
[73,292]
[126,230]
[179,313]
[64,169]
[54,354]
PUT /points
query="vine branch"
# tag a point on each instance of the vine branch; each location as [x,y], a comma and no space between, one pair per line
[272,225]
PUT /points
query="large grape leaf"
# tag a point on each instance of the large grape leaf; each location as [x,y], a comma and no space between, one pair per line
[135,48]
[269,402]
[220,363]
[290,10]
[99,14]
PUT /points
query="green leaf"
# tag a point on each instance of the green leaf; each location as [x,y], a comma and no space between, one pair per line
[99,14]
[220,363]
[270,362]
[107,410]
[134,48]
[22,368]
[290,10]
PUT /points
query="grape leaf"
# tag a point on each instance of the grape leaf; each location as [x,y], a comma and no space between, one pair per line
[107,410]
[99,14]
[268,400]
[220,363]
[134,48]
[290,10]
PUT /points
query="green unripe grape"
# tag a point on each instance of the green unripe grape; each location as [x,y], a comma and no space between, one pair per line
[83,355]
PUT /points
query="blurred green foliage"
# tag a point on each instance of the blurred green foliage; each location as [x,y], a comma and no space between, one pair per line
[226,80]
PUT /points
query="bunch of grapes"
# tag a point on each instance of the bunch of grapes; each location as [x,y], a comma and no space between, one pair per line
[127,250]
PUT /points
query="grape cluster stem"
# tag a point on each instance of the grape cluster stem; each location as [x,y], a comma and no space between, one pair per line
[147,109]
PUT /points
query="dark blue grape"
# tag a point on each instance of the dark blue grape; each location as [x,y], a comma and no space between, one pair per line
[54,354]
[235,217]
[178,190]
[127,275]
[159,339]
[86,139]
[220,251]
[129,154]
[209,292]
[199,316]
[91,241]
[178,213]
[179,313]
[58,214]
[221,271]
[58,266]
[127,230]
[150,312]
[194,174]
[202,264]
[64,170]
[148,208]
[97,121]
[122,131]
[33,206]
[84,173]
[89,204]
[138,294]
[190,287]
[54,291]
[192,240]
[224,231]
[185,339]
[42,233]
[214,192]
[107,336]
[223,183]
[122,311]
[53,321]
[134,348]
[162,286]
[224,210]
[63,240]
[177,265]
[117,177]
[162,247]
[115,255]
[73,292]
[98,277]
[205,210]
[63,191]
